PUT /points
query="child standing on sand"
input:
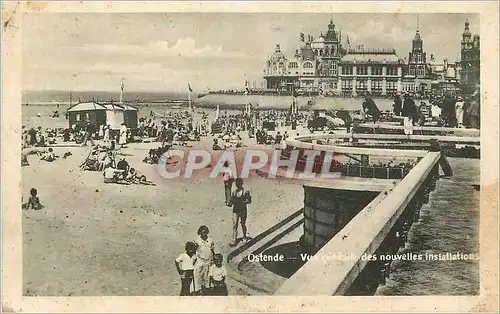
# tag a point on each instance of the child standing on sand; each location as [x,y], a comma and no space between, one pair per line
[217,276]
[34,201]
[204,257]
[185,267]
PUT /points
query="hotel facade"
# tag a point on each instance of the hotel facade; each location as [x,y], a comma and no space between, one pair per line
[324,66]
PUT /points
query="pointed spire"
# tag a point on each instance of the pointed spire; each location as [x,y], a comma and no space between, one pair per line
[418,22]
[466,33]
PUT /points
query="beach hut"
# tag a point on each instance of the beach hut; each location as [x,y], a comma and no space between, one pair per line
[130,116]
[116,114]
[91,111]
[106,113]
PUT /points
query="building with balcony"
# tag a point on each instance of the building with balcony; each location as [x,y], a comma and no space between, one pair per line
[324,66]
[373,71]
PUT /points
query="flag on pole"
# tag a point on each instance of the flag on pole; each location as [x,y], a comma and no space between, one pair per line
[189,97]
[121,93]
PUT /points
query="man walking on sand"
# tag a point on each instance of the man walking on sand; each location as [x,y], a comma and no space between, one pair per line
[240,198]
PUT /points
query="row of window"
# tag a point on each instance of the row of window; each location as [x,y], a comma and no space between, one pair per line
[408,87]
[419,71]
[363,70]
[375,85]
[417,58]
[325,52]
[332,69]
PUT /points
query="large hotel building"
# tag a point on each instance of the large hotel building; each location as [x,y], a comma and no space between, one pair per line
[324,66]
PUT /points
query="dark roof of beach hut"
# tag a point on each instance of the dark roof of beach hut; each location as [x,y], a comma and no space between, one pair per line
[86,106]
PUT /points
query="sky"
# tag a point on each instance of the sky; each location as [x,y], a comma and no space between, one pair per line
[165,51]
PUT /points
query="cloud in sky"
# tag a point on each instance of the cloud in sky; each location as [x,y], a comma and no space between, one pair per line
[183,47]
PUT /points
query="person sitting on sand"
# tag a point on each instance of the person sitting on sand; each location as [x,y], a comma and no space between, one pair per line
[100,160]
[216,145]
[108,160]
[136,177]
[24,160]
[112,175]
[124,166]
[34,201]
[49,156]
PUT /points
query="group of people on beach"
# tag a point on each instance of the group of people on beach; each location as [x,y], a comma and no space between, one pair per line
[104,159]
[201,268]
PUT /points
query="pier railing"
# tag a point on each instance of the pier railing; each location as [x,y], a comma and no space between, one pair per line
[363,235]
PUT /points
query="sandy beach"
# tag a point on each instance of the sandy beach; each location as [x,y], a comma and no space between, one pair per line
[107,239]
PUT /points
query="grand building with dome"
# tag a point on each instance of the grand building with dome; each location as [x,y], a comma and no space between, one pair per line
[324,66]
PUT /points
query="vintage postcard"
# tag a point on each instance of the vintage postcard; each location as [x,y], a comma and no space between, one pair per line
[249,156]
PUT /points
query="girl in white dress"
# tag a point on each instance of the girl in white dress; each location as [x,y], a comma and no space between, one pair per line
[123,135]
[106,134]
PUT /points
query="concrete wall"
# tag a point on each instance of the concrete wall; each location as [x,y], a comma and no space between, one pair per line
[327,211]
[324,275]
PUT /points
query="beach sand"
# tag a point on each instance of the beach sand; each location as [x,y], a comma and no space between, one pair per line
[96,239]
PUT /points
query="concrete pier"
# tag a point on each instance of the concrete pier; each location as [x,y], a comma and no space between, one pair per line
[327,211]
[388,215]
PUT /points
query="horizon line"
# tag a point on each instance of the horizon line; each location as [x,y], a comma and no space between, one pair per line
[102,90]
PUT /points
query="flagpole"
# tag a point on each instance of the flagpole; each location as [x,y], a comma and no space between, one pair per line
[121,93]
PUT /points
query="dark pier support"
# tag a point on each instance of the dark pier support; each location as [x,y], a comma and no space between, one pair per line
[327,211]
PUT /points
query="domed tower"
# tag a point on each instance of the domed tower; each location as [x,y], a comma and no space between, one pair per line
[275,69]
[466,36]
[331,34]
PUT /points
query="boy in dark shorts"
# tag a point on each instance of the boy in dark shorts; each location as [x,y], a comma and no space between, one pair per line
[218,276]
[240,198]
[185,267]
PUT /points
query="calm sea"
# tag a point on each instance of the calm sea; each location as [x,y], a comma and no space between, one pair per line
[62,97]
[449,223]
